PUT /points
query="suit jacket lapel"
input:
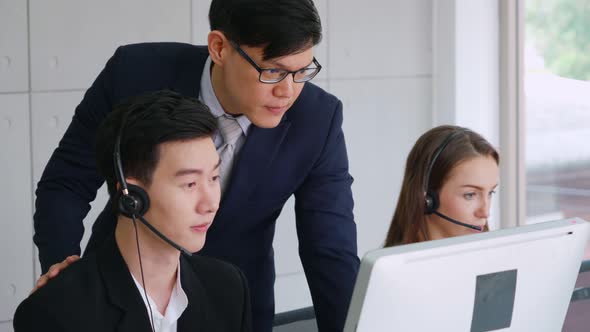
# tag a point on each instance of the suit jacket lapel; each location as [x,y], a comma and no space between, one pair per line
[121,289]
[193,318]
[253,161]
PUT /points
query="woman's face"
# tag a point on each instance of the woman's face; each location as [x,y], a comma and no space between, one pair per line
[465,196]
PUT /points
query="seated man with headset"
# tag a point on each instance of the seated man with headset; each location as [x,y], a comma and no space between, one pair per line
[158,157]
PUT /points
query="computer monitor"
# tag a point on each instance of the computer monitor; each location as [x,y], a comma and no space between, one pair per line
[518,279]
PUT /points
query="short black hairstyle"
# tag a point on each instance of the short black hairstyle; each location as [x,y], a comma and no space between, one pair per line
[151,119]
[282,27]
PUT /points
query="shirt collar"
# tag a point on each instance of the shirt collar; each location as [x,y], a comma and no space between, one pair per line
[176,306]
[208,97]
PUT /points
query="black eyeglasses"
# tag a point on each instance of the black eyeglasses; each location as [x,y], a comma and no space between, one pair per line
[275,75]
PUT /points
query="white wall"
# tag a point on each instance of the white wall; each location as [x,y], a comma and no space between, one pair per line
[378,60]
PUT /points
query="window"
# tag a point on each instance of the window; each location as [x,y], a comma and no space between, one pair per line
[557,109]
[556,82]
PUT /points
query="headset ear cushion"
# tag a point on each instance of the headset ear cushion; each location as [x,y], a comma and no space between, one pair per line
[432,202]
[136,203]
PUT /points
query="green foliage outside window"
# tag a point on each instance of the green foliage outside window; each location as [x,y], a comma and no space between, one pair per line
[561,31]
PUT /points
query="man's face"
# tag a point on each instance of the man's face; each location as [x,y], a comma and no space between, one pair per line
[185,192]
[264,104]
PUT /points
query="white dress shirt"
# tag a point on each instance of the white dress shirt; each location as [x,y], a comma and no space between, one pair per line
[176,306]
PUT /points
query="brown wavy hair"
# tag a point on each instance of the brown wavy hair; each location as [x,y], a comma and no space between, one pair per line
[409,219]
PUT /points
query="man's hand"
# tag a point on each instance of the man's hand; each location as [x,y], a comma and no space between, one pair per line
[54,270]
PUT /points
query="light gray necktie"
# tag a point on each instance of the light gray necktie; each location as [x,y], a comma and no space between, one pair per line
[230,130]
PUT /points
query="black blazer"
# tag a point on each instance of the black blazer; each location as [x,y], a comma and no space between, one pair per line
[98,293]
[304,156]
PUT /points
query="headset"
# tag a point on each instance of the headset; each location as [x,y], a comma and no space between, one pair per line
[432,201]
[133,201]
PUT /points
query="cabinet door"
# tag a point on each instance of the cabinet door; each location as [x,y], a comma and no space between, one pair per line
[14,60]
[16,223]
[71,41]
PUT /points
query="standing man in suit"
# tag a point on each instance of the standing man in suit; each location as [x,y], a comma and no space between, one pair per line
[279,136]
[157,155]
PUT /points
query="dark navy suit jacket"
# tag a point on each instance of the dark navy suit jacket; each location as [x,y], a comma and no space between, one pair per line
[98,294]
[304,155]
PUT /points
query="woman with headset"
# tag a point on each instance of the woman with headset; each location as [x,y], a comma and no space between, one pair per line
[451,175]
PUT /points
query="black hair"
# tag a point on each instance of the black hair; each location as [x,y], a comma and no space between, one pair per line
[150,119]
[282,27]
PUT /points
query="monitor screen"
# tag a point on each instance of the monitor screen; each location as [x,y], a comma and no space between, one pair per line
[518,279]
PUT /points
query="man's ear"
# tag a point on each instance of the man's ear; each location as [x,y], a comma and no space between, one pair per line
[133,181]
[219,47]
